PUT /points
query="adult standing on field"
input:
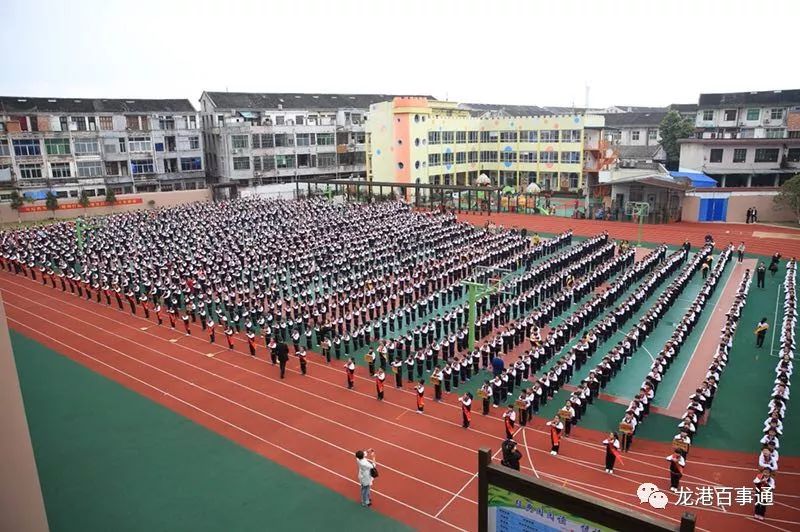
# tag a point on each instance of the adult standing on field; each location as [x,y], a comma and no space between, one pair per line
[761,273]
[773,265]
[282,351]
[366,465]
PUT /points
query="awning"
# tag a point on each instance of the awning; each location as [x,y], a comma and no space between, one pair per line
[248,114]
[697,179]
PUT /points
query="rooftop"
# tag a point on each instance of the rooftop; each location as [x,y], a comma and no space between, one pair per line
[297,100]
[24,104]
[510,110]
[634,119]
[779,97]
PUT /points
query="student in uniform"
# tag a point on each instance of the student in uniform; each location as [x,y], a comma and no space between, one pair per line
[556,427]
[185,320]
[676,465]
[420,389]
[466,409]
[301,354]
[612,452]
[761,332]
[212,332]
[762,481]
[509,419]
[350,370]
[229,336]
[486,389]
[397,369]
[436,380]
[273,355]
[380,377]
[251,343]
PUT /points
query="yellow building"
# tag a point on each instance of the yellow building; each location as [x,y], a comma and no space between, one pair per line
[416,140]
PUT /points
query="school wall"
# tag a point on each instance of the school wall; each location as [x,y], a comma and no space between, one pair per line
[161,199]
[739,200]
[21,503]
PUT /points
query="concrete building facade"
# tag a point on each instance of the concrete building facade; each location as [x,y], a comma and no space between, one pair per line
[69,145]
[434,142]
[258,138]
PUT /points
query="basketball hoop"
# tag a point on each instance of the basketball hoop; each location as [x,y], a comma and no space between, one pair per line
[639,209]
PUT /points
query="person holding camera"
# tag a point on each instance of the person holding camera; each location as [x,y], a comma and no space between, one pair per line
[511,455]
[367,472]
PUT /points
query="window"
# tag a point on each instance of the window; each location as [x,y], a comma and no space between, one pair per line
[776,114]
[114,168]
[739,155]
[284,161]
[448,137]
[106,123]
[239,141]
[27,147]
[490,136]
[528,136]
[549,135]
[548,157]
[264,163]
[570,135]
[306,160]
[527,156]
[79,122]
[86,147]
[192,122]
[508,156]
[793,155]
[280,120]
[461,157]
[447,158]
[489,156]
[434,159]
[508,136]
[775,133]
[708,115]
[191,163]
[434,137]
[635,134]
[90,169]
[142,166]
[573,180]
[461,137]
[241,163]
[4,147]
[64,121]
[194,143]
[56,146]
[325,139]
[139,144]
[60,170]
[136,122]
[299,120]
[753,114]
[472,157]
[30,171]
[570,157]
[730,115]
[283,140]
[326,160]
[652,135]
[305,139]
[715,156]
[766,155]
[472,137]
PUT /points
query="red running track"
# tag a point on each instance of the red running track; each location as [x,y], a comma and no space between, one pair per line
[313,424]
[674,233]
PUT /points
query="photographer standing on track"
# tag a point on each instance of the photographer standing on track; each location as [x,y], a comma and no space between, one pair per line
[511,455]
[366,473]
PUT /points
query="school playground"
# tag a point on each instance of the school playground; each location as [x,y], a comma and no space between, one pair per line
[138,427]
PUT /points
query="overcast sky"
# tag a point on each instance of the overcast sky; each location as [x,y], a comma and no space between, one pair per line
[638,52]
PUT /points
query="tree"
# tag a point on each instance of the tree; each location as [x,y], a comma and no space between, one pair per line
[674,127]
[789,196]
[16,203]
[111,196]
[51,202]
[84,200]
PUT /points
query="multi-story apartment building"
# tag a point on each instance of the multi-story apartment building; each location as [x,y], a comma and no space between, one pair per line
[636,136]
[69,145]
[416,140]
[746,138]
[254,138]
